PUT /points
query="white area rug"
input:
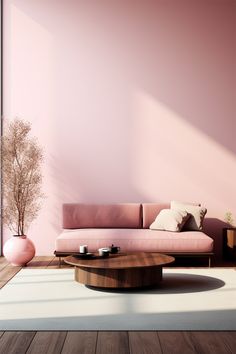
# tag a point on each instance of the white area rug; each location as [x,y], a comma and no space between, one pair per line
[187,299]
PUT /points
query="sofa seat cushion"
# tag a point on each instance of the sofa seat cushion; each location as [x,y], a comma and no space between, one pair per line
[134,240]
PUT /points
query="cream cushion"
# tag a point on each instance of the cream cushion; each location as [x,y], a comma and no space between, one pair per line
[170,220]
[196,212]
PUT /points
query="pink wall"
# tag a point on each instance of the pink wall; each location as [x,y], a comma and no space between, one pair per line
[132,100]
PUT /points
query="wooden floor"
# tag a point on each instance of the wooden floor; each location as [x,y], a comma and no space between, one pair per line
[79,342]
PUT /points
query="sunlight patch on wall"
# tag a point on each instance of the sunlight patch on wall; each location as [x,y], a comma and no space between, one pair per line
[174,160]
[28,69]
[29,93]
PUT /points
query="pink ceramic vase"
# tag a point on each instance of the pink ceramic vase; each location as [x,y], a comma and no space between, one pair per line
[19,250]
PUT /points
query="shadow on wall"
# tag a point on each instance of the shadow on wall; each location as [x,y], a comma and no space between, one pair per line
[185,60]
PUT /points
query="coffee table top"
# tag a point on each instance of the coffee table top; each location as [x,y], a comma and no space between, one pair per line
[123,260]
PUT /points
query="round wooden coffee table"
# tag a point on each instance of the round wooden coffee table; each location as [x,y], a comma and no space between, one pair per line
[122,270]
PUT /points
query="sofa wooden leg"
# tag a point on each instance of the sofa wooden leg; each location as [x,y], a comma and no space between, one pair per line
[209,261]
[59,262]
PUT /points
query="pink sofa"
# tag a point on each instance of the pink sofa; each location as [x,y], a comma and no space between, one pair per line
[125,225]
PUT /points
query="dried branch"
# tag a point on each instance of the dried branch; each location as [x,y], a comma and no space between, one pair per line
[22,179]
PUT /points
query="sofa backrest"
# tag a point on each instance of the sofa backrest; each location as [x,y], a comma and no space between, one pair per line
[150,211]
[126,215]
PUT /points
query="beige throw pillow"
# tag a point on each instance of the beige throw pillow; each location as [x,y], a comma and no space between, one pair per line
[197,214]
[170,220]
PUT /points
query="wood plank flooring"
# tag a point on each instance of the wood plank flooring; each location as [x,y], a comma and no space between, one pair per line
[109,342]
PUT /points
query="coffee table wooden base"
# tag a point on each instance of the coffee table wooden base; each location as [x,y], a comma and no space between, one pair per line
[122,270]
[119,278]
